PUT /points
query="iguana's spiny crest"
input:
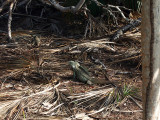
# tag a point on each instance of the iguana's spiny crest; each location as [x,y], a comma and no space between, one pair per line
[73,64]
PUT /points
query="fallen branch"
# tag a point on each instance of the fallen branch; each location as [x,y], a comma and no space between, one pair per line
[67,9]
[127,111]
[124,59]
[10,19]
[124,29]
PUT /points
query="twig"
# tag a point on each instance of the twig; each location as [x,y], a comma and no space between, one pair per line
[56,50]
[125,59]
[9,21]
[127,111]
[27,5]
[140,106]
[4,4]
[4,14]
[119,10]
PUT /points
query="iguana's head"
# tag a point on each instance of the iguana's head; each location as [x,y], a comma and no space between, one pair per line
[74,64]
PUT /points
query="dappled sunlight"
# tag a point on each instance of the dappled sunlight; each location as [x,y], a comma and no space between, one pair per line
[156,99]
[156,74]
[102,41]
[157,107]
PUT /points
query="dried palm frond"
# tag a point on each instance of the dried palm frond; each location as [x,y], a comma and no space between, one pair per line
[49,101]
[103,99]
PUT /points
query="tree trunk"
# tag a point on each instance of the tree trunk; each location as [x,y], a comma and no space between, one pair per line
[151,59]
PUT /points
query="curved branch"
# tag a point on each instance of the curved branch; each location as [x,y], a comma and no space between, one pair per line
[4,4]
[67,9]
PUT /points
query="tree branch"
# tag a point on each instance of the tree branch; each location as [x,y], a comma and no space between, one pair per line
[4,4]
[10,20]
[67,9]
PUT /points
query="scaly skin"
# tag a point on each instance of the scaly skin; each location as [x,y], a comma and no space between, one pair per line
[80,73]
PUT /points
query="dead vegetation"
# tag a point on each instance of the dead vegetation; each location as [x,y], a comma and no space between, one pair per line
[46,89]
[36,81]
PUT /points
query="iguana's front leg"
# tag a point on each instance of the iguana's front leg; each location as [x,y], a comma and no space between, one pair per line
[74,75]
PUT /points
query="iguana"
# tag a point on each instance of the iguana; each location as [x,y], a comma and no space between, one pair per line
[81,74]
